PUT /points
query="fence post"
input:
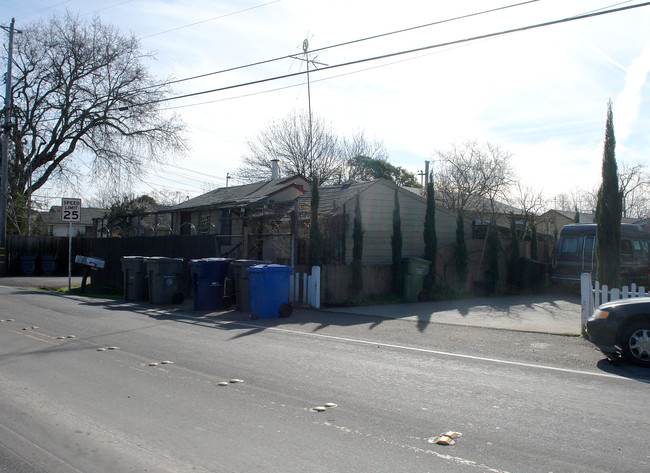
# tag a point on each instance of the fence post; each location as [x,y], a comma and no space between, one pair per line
[586,301]
[314,287]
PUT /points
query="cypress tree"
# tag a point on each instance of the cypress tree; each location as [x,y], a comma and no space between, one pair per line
[608,212]
[430,238]
[396,246]
[460,250]
[493,248]
[514,254]
[357,251]
[315,249]
[576,217]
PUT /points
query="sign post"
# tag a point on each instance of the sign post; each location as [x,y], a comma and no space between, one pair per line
[70,212]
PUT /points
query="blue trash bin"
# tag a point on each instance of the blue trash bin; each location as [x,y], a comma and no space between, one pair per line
[208,275]
[269,286]
[48,264]
[27,265]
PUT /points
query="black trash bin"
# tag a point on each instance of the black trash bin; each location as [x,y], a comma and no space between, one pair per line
[208,277]
[165,276]
[136,282]
[48,264]
[241,283]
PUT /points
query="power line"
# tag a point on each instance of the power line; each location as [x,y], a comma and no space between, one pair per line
[404,52]
[252,94]
[448,20]
[211,19]
[346,43]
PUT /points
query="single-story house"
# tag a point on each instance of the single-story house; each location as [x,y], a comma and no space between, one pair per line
[242,217]
[552,221]
[269,220]
[54,226]
[377,201]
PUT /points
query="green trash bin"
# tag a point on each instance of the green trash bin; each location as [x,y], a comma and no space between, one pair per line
[136,286]
[415,269]
[165,276]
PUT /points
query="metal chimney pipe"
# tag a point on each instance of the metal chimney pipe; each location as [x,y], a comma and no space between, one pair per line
[275,171]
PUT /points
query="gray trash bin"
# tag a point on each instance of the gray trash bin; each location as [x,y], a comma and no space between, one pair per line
[165,276]
[136,282]
[240,279]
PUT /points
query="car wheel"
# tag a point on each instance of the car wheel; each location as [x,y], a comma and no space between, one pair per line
[636,343]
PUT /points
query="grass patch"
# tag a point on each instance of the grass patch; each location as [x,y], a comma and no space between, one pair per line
[95,290]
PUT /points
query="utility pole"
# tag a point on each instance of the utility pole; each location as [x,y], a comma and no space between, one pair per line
[305,50]
[5,152]
[227,178]
[421,174]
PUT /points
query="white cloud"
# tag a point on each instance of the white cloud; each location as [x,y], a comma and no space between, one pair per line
[628,103]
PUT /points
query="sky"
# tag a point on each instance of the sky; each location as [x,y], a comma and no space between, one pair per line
[540,94]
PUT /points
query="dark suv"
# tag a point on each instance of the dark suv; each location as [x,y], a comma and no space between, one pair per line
[575,253]
[622,328]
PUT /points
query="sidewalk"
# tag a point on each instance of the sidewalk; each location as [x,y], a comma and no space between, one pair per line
[546,313]
[535,313]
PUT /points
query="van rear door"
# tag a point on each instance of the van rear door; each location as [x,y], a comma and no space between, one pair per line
[588,254]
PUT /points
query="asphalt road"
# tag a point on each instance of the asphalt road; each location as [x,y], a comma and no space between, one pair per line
[523,402]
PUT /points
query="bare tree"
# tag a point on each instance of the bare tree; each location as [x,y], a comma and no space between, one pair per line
[359,145]
[473,176]
[633,183]
[530,202]
[576,198]
[84,104]
[299,149]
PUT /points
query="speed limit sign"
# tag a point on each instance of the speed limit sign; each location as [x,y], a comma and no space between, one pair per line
[70,210]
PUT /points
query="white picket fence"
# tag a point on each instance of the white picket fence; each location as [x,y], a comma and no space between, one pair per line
[305,288]
[592,294]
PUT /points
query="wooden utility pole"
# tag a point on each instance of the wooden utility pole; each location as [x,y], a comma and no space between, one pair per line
[5,153]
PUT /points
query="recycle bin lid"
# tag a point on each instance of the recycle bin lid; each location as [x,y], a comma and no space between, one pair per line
[268,268]
[248,262]
[413,259]
[162,259]
[202,261]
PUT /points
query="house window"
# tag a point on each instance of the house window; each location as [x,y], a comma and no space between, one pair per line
[225,226]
